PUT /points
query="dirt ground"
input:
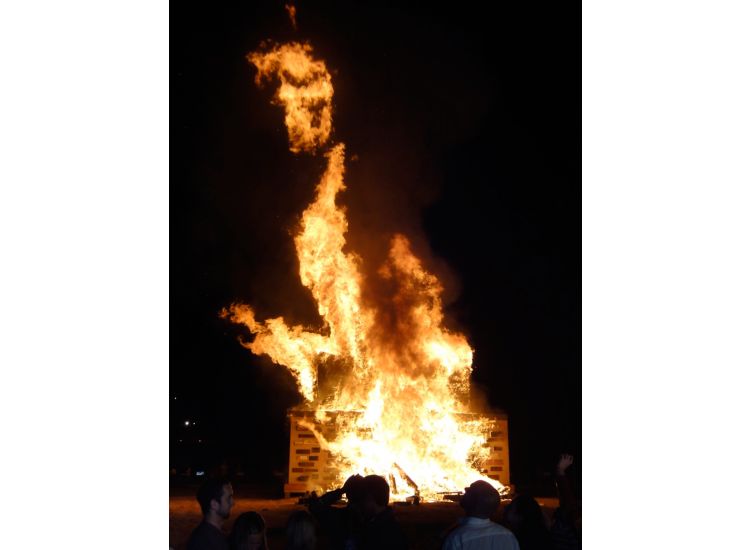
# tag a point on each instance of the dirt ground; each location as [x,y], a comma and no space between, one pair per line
[424,524]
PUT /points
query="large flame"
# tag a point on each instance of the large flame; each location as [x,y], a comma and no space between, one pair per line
[400,392]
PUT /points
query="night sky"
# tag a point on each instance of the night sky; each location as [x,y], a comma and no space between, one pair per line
[462,128]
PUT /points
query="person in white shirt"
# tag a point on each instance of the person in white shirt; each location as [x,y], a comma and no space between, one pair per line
[476,531]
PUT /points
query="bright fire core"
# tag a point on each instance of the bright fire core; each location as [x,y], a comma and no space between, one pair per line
[395,365]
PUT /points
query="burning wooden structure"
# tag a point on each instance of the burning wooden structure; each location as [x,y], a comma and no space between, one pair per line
[311,468]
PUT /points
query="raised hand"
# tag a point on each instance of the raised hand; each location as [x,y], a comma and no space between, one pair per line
[563,464]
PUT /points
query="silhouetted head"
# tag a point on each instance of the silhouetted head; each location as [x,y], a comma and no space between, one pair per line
[376,493]
[354,489]
[376,487]
[248,532]
[480,500]
[215,496]
[300,531]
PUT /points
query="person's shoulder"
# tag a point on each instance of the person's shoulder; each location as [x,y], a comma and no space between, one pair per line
[197,532]
[207,537]
[451,539]
[511,543]
[500,529]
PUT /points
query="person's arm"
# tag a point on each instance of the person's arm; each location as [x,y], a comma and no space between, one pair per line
[322,507]
[331,497]
[319,505]
[565,493]
[325,514]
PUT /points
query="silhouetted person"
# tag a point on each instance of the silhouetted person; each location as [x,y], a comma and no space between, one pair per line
[476,531]
[216,501]
[379,530]
[248,532]
[524,517]
[340,524]
[565,530]
[300,531]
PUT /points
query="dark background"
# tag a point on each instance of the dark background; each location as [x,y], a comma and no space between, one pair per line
[462,128]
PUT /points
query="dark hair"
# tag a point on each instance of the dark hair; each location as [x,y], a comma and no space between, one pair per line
[480,499]
[377,488]
[527,509]
[249,523]
[212,489]
[525,518]
[300,531]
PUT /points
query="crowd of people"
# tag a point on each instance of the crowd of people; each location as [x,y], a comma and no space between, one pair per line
[367,522]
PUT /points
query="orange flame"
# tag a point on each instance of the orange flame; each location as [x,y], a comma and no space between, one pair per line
[402,374]
[292,11]
[306,92]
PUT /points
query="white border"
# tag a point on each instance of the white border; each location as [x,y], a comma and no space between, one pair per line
[84,276]
[666,272]
[84,211]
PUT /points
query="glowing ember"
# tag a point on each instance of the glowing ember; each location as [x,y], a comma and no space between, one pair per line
[292,12]
[399,403]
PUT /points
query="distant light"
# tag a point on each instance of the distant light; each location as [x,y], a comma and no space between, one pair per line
[200,473]
[200,441]
[193,423]
[175,398]
[187,422]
